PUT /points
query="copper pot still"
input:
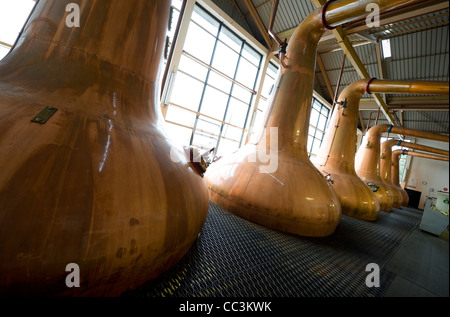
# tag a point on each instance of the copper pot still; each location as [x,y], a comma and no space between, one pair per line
[367,162]
[290,194]
[88,174]
[358,198]
[401,197]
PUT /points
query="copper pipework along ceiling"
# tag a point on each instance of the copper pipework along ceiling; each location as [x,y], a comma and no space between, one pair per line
[292,196]
[386,162]
[360,197]
[98,184]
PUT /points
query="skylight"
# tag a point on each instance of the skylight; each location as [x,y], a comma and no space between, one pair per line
[386,46]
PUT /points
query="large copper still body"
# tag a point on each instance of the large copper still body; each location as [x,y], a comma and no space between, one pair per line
[367,162]
[96,185]
[400,195]
[293,196]
[337,153]
[395,168]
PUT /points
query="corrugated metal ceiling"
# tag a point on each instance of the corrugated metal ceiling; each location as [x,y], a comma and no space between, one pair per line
[419,44]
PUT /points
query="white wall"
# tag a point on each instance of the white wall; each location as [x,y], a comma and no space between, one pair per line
[432,172]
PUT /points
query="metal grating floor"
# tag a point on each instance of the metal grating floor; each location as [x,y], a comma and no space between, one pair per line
[236,258]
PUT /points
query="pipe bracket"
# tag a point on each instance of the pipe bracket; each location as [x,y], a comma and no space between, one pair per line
[368,85]
[323,17]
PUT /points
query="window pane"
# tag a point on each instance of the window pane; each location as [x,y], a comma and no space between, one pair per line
[263,104]
[313,158]
[13,15]
[193,68]
[181,136]
[208,126]
[187,91]
[314,118]
[3,51]
[272,70]
[319,135]
[178,115]
[316,105]
[214,103]
[268,86]
[237,113]
[322,123]
[199,43]
[219,82]
[316,146]
[310,142]
[205,20]
[247,73]
[325,111]
[311,131]
[225,60]
[177,4]
[251,55]
[242,94]
[227,147]
[232,133]
[230,39]
[204,141]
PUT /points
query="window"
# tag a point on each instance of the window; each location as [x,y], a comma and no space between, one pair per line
[212,92]
[386,48]
[266,95]
[317,125]
[13,15]
[402,162]
[402,158]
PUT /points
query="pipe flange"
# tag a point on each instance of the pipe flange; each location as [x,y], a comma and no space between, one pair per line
[324,11]
[368,84]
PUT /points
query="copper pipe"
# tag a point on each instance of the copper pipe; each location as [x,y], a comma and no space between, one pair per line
[337,153]
[335,99]
[378,115]
[98,184]
[293,196]
[338,85]
[281,44]
[386,161]
[370,118]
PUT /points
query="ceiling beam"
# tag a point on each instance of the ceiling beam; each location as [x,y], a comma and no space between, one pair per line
[348,49]
[379,61]
[361,120]
[262,29]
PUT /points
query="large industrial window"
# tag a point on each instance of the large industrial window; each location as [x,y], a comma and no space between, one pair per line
[402,159]
[264,101]
[317,126]
[210,96]
[402,163]
[13,15]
